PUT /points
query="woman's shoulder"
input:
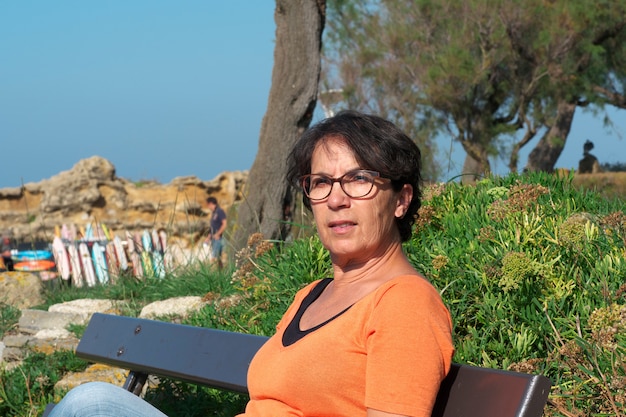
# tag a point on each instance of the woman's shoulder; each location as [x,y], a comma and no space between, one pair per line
[412,298]
[415,287]
[415,281]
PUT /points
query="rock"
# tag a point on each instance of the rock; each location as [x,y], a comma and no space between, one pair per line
[32,321]
[84,307]
[45,341]
[16,340]
[178,306]
[96,372]
[52,340]
[91,193]
[20,289]
[46,332]
[53,334]
[12,355]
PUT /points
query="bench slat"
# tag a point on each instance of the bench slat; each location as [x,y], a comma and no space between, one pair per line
[210,357]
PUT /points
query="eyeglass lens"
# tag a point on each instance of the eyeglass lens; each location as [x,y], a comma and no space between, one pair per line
[355,184]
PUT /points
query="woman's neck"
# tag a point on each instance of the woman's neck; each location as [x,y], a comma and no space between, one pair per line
[389,264]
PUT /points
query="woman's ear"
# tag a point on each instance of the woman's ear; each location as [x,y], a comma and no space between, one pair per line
[404,200]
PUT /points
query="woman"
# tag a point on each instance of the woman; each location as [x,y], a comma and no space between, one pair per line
[373,340]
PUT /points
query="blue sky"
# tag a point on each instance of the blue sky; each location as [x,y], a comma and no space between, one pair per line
[160,88]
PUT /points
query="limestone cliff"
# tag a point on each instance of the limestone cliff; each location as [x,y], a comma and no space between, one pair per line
[91,193]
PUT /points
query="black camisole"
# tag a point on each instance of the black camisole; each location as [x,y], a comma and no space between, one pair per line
[292,332]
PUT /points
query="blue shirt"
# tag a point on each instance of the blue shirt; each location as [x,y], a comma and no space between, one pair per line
[217,217]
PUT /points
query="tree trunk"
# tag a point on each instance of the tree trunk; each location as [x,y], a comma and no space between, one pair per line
[476,164]
[267,198]
[543,157]
[471,170]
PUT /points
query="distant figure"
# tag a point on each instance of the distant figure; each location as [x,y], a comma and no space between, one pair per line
[218,225]
[589,164]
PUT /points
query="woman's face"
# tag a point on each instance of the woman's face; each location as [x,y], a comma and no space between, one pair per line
[355,230]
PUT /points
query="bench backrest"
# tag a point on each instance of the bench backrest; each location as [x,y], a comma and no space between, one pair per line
[204,356]
[470,391]
[220,359]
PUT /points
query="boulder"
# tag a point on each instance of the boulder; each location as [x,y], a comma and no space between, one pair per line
[96,372]
[84,307]
[20,289]
[178,306]
[33,321]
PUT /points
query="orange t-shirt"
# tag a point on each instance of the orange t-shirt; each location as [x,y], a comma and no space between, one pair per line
[389,351]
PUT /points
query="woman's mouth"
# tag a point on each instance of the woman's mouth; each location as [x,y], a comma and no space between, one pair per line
[341,226]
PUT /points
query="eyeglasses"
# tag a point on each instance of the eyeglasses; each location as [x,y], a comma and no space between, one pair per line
[356,184]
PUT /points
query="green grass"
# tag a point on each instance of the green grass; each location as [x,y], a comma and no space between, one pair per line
[532,269]
[135,294]
[9,316]
[24,391]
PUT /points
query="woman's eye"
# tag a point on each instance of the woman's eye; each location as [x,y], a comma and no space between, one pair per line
[319,182]
[359,176]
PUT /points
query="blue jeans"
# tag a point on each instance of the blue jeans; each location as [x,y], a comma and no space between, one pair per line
[99,399]
[216,247]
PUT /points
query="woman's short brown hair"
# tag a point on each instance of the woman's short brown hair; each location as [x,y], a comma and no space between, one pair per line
[378,145]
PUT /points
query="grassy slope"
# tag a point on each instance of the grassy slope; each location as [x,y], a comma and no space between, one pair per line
[526,292]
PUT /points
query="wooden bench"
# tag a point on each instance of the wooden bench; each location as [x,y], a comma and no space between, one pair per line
[220,359]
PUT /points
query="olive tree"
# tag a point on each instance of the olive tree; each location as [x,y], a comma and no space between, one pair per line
[491,74]
[267,196]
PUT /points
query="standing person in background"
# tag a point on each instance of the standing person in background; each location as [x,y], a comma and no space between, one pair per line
[218,225]
[589,164]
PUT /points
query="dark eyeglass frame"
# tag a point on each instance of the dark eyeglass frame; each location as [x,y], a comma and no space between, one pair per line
[370,175]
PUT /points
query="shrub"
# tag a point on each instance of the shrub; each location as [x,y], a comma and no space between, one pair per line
[532,269]
[533,264]
[613,167]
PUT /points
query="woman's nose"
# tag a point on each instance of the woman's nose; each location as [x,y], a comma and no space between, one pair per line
[337,196]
